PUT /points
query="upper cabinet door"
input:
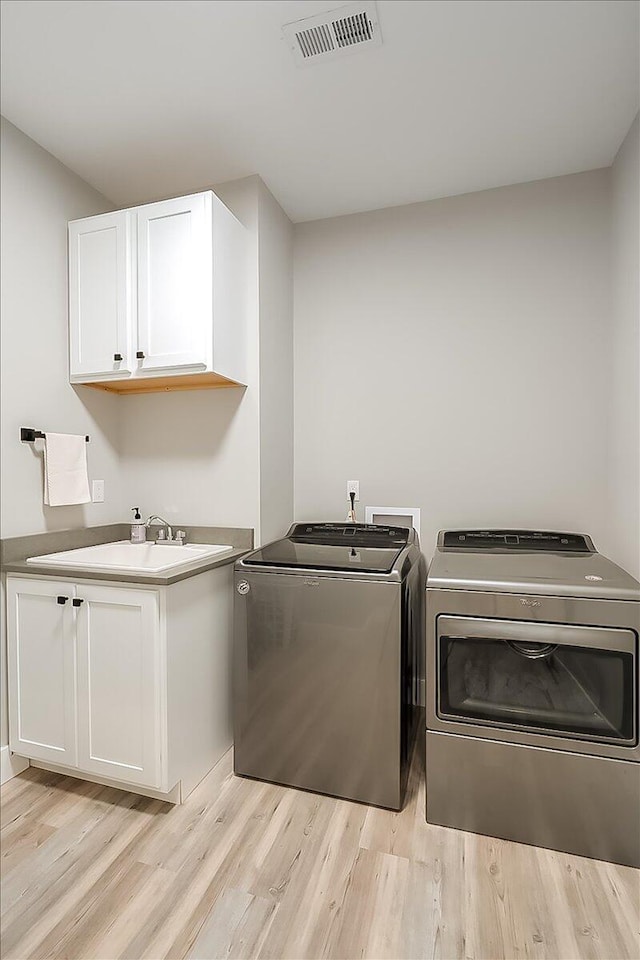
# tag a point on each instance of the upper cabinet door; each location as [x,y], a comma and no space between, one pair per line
[101,296]
[42,670]
[120,693]
[175,284]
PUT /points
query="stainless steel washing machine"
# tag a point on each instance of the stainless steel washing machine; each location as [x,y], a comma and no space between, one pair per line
[328,634]
[532,692]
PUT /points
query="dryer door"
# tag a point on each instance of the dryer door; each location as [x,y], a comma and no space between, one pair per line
[554,679]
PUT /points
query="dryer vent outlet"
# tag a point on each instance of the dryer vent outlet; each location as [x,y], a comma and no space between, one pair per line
[336,33]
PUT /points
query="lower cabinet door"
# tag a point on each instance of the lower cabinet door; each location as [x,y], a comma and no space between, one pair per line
[42,670]
[119,683]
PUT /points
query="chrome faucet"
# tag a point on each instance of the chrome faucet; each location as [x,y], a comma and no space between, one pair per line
[154,519]
[178,541]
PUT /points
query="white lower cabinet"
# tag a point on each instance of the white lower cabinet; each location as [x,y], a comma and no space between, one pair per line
[42,670]
[121,683]
[119,656]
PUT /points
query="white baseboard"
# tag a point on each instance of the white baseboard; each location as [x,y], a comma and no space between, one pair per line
[11,764]
[173,796]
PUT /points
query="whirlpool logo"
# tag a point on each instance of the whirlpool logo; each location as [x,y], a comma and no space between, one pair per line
[529,602]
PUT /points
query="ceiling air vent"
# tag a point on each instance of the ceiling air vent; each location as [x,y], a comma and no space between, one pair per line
[335,33]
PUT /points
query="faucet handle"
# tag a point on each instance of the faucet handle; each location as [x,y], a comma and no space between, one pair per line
[161,533]
[180,536]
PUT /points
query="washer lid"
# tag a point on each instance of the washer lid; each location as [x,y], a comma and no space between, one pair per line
[367,548]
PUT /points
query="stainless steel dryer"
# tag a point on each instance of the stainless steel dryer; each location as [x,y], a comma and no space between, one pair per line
[532,692]
[328,631]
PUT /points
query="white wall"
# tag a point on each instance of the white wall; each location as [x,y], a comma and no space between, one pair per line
[216,457]
[454,355]
[39,196]
[276,367]
[194,456]
[225,457]
[625,422]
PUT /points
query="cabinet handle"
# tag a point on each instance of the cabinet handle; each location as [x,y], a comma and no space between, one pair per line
[62,599]
[140,354]
[77,601]
[117,356]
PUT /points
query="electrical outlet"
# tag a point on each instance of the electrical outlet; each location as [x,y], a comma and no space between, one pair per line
[353,486]
[97,491]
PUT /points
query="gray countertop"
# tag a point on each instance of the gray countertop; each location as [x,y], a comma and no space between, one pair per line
[14,553]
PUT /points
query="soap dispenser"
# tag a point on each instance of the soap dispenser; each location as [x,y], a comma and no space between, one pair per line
[138,528]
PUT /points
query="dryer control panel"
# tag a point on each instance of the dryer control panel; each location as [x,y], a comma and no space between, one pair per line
[538,541]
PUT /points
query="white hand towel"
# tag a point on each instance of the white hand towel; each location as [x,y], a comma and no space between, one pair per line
[66,480]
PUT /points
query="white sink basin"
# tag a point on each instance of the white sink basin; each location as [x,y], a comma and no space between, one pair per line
[125,557]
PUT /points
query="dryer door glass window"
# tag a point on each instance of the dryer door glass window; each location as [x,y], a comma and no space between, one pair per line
[549,678]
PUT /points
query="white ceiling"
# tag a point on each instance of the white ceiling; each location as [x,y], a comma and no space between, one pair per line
[148,98]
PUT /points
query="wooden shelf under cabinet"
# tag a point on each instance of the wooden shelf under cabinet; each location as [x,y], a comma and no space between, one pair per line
[190,381]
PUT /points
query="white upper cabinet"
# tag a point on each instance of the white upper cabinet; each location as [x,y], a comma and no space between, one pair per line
[175,268]
[161,286]
[100,296]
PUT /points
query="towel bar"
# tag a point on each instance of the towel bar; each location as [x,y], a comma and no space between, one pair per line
[29,435]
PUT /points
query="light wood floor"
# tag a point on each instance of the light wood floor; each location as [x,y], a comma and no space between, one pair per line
[246,869]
